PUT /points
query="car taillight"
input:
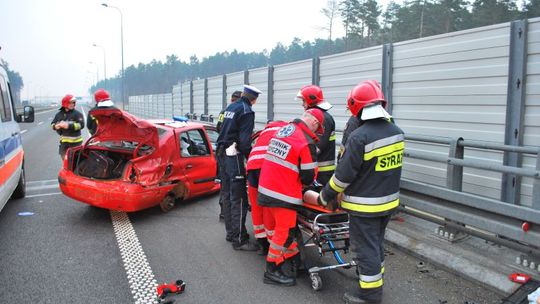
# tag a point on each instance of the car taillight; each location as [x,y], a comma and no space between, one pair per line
[66,161]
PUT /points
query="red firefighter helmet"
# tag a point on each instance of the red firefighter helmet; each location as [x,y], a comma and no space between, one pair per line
[363,94]
[101,95]
[313,96]
[67,100]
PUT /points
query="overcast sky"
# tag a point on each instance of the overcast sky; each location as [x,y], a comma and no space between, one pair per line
[49,42]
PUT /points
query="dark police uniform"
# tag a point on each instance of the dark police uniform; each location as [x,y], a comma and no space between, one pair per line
[369,173]
[221,167]
[237,127]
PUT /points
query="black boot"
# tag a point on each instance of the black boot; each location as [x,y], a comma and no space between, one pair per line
[274,275]
[297,265]
[263,246]
[354,298]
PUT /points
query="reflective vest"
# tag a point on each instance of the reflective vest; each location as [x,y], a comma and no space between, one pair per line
[370,169]
[256,157]
[289,163]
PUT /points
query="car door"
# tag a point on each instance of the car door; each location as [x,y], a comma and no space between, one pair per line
[10,146]
[197,160]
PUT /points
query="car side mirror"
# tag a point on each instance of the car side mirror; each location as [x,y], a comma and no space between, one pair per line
[28,114]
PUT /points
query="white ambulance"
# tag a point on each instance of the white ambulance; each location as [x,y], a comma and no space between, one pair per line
[12,180]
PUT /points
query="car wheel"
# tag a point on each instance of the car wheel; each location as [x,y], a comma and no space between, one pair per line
[167,203]
[20,191]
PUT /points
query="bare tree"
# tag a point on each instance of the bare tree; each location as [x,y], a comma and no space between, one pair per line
[330,12]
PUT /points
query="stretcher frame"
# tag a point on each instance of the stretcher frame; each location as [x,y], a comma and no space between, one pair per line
[329,233]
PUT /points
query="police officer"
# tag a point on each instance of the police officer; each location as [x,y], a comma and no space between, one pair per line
[235,95]
[289,165]
[103,100]
[312,97]
[368,173]
[234,146]
[68,123]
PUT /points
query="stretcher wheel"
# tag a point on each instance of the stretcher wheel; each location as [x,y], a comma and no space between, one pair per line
[316,281]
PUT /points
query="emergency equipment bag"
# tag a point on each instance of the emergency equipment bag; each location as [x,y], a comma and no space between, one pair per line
[96,165]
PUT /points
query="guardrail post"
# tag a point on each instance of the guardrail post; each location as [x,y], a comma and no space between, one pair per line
[191,102]
[316,71]
[515,109]
[454,173]
[246,76]
[206,96]
[224,92]
[270,104]
[387,67]
[536,186]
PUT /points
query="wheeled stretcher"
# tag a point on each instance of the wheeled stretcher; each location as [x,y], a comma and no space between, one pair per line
[327,230]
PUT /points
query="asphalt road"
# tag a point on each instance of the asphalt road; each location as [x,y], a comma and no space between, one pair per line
[67,252]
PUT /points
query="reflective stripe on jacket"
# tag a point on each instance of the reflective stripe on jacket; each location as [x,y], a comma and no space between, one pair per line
[370,170]
[75,122]
[256,156]
[326,157]
[327,146]
[289,163]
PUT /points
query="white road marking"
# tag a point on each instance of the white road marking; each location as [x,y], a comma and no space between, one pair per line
[40,123]
[23,131]
[36,188]
[42,182]
[44,194]
[140,276]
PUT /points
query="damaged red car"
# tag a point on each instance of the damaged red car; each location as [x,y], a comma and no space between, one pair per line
[131,164]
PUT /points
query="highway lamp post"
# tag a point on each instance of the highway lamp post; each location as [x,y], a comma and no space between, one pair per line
[121,51]
[97,71]
[104,64]
[27,89]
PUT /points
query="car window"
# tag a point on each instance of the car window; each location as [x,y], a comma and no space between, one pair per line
[193,143]
[5,110]
[213,135]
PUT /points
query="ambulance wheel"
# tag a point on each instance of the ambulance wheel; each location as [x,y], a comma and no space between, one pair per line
[167,203]
[20,191]
[316,281]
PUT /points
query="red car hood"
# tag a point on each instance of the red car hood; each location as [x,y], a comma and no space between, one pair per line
[115,124]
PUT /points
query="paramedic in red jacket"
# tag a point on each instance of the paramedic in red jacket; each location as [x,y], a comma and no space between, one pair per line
[263,227]
[290,163]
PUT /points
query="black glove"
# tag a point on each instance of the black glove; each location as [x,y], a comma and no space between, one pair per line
[330,204]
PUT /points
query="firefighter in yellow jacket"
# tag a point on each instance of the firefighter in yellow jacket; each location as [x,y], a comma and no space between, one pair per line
[368,174]
[68,123]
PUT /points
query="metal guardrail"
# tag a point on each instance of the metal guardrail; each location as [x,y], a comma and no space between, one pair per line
[202,117]
[499,218]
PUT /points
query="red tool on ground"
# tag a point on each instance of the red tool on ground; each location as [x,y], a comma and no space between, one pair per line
[519,278]
[165,289]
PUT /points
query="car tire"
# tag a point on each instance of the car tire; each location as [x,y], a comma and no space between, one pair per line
[167,203]
[20,191]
